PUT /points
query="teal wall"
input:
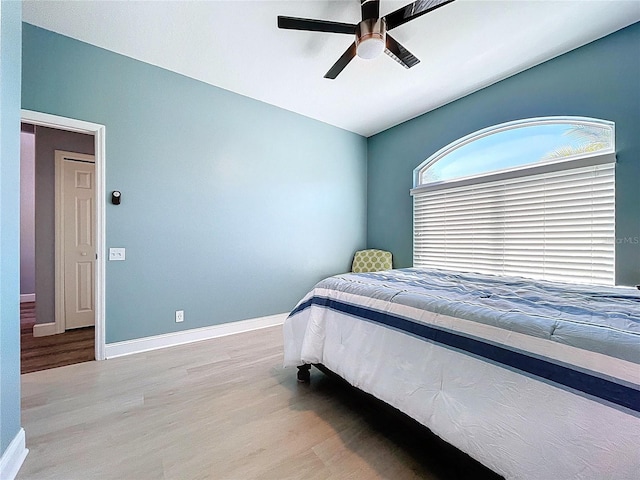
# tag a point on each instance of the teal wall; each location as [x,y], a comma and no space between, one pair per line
[600,80]
[10,18]
[231,208]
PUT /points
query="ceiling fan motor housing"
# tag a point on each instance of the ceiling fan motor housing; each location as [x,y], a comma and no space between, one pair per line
[370,37]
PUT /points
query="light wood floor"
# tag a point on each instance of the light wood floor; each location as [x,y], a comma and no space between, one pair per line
[220,409]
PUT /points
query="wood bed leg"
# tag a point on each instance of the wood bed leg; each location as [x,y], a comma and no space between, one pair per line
[304,373]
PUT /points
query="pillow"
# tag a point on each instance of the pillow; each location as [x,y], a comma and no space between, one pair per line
[371,260]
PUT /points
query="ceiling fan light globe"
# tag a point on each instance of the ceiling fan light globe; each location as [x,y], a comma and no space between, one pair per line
[370,37]
[370,48]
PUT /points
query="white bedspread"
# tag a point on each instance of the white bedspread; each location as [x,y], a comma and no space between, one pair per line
[522,398]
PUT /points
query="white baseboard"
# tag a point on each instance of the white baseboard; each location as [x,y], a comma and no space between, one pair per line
[139,345]
[13,457]
[44,329]
[27,297]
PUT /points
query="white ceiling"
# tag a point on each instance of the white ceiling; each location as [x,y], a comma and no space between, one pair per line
[236,45]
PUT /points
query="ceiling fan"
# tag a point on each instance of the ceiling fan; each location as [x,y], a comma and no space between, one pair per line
[371,33]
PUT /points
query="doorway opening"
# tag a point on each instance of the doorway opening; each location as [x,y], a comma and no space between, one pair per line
[62,276]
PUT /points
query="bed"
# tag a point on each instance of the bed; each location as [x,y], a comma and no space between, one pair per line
[536,380]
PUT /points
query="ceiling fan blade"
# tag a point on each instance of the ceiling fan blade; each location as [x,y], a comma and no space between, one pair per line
[293,23]
[342,62]
[370,9]
[399,53]
[413,10]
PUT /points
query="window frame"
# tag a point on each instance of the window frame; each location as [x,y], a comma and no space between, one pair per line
[602,157]
[495,129]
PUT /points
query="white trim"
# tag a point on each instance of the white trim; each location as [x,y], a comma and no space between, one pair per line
[13,457]
[139,345]
[98,131]
[45,329]
[60,157]
[58,310]
[27,297]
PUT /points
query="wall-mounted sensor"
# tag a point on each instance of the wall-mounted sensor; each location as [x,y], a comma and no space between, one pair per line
[115,197]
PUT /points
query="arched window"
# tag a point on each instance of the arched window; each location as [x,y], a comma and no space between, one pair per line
[534,198]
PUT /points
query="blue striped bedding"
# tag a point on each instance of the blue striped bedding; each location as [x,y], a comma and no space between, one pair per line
[533,379]
[605,320]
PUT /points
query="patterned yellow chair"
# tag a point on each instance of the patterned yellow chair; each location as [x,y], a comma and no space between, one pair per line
[371,260]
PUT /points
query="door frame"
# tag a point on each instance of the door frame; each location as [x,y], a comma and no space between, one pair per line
[98,131]
[60,310]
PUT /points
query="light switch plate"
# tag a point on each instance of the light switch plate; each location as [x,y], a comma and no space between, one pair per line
[116,254]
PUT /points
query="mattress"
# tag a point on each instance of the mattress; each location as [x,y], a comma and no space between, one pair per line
[533,379]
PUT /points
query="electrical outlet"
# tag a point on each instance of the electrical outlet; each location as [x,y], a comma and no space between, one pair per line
[117,254]
[179,315]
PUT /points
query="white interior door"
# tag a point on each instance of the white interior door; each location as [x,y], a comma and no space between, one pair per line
[78,215]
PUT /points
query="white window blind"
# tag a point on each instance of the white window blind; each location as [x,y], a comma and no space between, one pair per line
[557,225]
